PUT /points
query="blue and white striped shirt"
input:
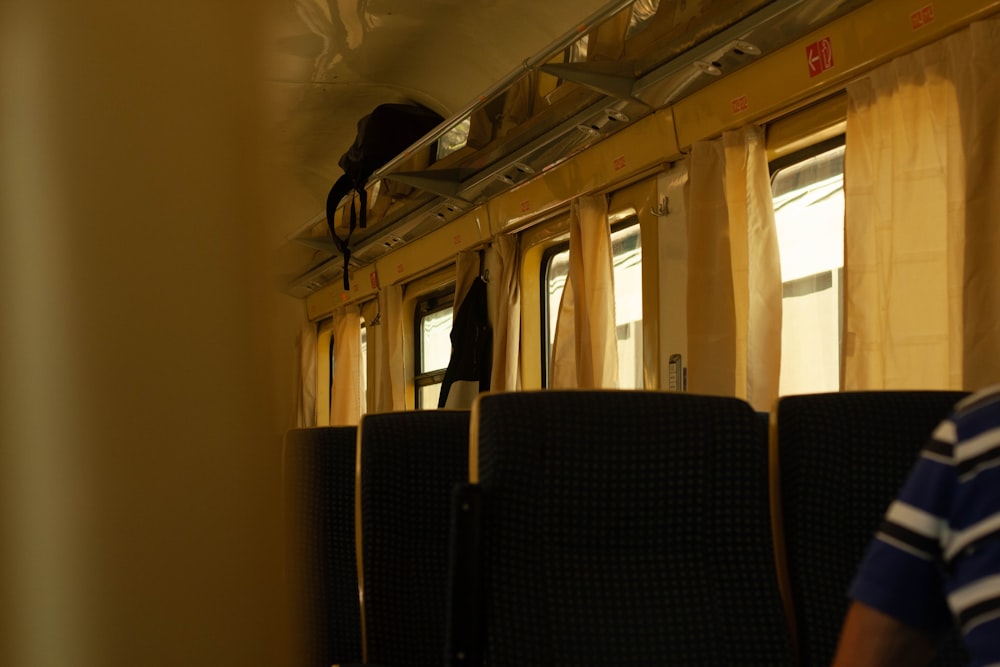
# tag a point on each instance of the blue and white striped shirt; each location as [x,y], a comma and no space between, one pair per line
[936,558]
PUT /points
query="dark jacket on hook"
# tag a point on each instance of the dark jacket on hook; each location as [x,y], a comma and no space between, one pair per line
[468,371]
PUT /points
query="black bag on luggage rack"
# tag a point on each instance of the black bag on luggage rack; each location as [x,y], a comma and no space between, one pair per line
[382,135]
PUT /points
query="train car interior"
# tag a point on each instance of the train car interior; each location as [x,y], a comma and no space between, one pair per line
[475,332]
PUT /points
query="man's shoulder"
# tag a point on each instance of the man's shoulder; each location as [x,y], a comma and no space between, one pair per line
[985,402]
[976,423]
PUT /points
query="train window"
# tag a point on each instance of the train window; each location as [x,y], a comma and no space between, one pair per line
[626,250]
[364,369]
[454,139]
[433,341]
[809,214]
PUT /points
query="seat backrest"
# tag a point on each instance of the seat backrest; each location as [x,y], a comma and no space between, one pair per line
[410,461]
[318,489]
[626,528]
[842,458]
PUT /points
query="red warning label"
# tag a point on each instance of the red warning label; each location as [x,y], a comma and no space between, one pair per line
[922,17]
[819,56]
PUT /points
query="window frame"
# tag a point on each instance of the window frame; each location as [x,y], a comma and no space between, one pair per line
[790,287]
[803,154]
[630,220]
[428,304]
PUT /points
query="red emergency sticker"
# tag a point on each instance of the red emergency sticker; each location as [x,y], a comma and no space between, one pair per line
[819,55]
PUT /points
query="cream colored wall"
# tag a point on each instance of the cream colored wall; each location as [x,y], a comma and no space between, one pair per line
[139,463]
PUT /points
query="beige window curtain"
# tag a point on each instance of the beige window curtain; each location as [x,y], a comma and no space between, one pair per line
[584,352]
[734,271]
[305,400]
[922,246]
[386,391]
[467,269]
[345,392]
[505,313]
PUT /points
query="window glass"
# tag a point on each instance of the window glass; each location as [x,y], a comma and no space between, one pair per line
[626,249]
[433,340]
[364,369]
[454,139]
[809,214]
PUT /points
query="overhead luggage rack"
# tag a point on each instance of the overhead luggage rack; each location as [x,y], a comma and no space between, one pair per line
[594,100]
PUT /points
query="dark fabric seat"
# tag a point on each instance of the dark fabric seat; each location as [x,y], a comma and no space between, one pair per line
[626,528]
[321,571]
[842,458]
[410,461]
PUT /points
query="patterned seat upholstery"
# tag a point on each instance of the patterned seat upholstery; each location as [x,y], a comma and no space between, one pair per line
[410,461]
[464,622]
[843,458]
[322,566]
[626,528]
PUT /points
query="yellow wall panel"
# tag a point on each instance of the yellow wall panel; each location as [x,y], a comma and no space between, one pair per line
[321,303]
[434,249]
[415,258]
[858,41]
[619,158]
[809,126]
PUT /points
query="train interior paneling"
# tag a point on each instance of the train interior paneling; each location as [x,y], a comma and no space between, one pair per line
[432,204]
[791,70]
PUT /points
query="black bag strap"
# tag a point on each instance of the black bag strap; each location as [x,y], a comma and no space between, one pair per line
[341,188]
[363,196]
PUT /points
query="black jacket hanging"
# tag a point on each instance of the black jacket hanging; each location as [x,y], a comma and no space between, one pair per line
[468,371]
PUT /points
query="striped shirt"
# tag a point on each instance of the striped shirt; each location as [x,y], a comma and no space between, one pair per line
[936,558]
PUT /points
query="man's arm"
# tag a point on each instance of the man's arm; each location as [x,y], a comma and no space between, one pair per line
[871,638]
